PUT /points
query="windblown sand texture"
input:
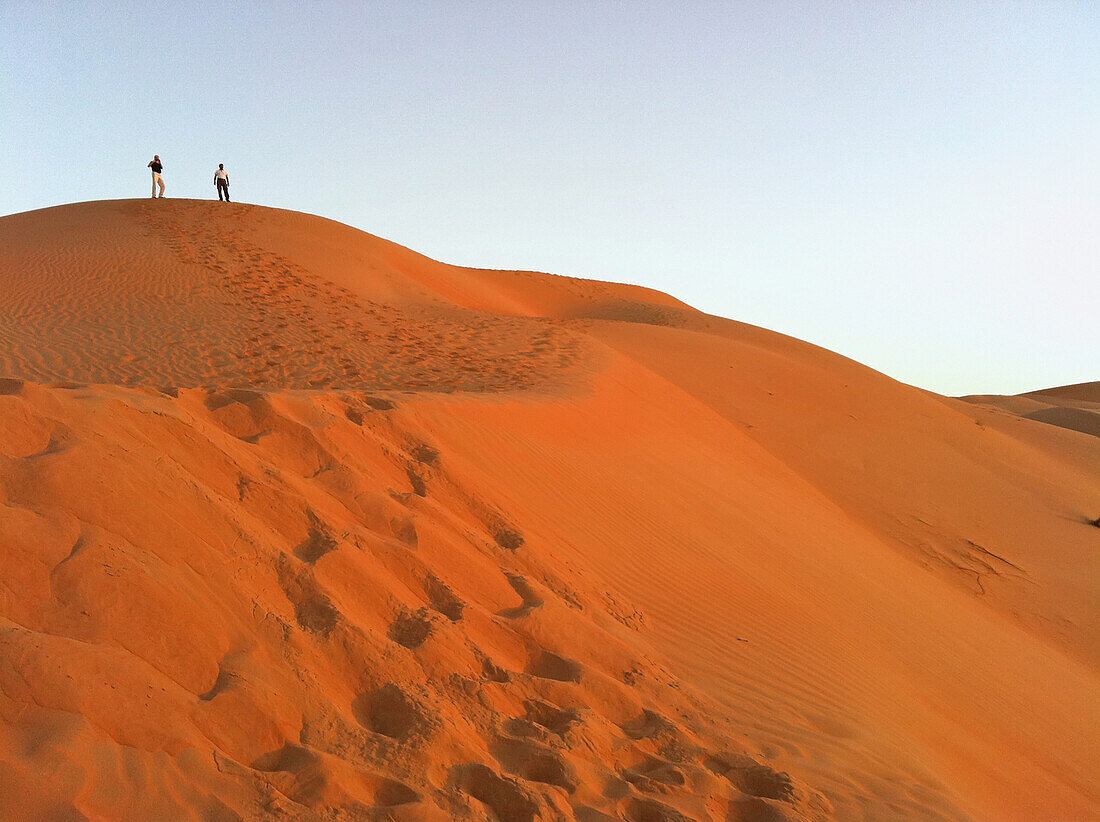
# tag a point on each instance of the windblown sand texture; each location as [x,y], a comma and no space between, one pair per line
[298,524]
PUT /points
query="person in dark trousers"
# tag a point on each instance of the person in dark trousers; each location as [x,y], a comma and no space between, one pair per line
[157,179]
[221,182]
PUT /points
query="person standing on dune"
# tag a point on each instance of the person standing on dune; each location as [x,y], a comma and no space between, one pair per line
[221,181]
[155,164]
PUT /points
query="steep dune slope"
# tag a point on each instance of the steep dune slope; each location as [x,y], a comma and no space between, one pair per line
[297,523]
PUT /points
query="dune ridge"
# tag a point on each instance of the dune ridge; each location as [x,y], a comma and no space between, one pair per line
[1076,407]
[297,523]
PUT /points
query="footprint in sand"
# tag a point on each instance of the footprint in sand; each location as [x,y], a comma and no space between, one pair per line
[531,599]
[535,763]
[412,629]
[550,718]
[548,665]
[508,800]
[390,711]
[443,600]
[318,542]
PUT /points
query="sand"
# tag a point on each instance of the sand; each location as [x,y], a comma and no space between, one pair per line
[1076,407]
[296,523]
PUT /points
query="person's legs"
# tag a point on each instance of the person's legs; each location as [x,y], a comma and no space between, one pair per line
[227,192]
[160,182]
[154,185]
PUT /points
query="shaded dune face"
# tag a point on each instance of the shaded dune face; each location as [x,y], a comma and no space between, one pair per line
[296,523]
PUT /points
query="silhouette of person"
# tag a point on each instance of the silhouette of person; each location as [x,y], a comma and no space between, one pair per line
[221,182]
[155,164]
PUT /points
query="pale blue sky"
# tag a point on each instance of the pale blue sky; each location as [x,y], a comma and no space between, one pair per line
[914,185]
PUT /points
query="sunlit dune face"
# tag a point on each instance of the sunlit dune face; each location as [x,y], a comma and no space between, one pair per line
[297,523]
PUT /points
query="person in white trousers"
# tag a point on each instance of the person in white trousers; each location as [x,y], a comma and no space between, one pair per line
[155,164]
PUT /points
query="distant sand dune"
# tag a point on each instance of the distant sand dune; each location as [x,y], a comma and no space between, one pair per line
[298,524]
[1076,407]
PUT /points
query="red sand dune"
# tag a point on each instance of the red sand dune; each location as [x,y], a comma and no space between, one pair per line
[298,524]
[1076,407]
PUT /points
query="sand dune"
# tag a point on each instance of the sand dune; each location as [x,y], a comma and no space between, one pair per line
[298,524]
[1076,407]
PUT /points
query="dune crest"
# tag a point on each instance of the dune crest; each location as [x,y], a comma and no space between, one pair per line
[297,523]
[1076,407]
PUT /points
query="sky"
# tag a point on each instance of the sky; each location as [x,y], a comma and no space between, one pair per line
[914,185]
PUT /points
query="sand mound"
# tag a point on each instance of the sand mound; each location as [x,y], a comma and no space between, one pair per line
[1082,392]
[1076,407]
[296,523]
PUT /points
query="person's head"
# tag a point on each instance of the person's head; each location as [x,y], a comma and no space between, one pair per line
[220,165]
[156,156]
